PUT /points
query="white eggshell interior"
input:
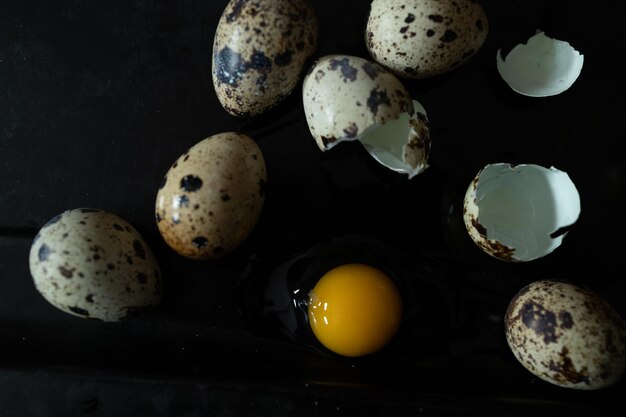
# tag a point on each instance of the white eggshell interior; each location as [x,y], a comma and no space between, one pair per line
[541,67]
[526,207]
[386,143]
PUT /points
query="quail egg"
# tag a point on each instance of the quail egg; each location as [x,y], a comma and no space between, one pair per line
[566,335]
[212,196]
[93,264]
[425,38]
[259,52]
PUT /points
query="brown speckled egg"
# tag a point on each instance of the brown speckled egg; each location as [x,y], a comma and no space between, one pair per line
[424,38]
[212,196]
[259,52]
[345,95]
[93,264]
[566,335]
[349,98]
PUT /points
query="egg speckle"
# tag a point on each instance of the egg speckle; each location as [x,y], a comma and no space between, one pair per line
[566,335]
[259,51]
[94,264]
[212,196]
[424,38]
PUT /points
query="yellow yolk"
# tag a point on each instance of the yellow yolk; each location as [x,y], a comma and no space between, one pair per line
[355,309]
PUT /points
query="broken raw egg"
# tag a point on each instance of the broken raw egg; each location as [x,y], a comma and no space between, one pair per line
[347,297]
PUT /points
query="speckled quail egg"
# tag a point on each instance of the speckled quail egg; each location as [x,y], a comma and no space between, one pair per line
[259,52]
[520,212]
[93,264]
[350,98]
[212,196]
[566,335]
[425,38]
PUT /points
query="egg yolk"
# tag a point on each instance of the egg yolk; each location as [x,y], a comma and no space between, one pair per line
[355,309]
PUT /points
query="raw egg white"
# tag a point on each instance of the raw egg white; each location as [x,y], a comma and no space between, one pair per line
[355,309]
[378,299]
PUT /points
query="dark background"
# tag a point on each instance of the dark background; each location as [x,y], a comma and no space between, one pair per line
[97,99]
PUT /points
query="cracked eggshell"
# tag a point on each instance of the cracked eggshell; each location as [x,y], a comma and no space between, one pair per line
[520,212]
[94,264]
[566,335]
[541,67]
[212,196]
[259,52]
[351,98]
[425,38]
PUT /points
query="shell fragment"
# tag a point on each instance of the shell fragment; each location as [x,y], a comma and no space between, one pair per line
[349,98]
[522,212]
[541,67]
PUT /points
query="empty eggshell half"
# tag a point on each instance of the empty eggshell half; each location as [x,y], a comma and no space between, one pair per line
[520,212]
[350,98]
[541,67]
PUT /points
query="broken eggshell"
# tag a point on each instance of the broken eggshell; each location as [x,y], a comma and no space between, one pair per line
[520,212]
[350,98]
[541,67]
